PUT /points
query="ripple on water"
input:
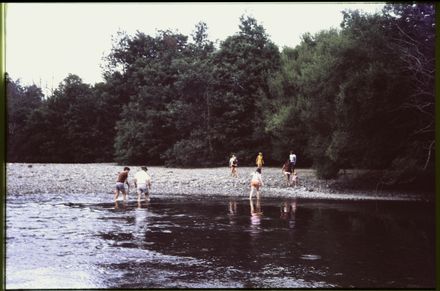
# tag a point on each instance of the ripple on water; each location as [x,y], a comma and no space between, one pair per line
[310,257]
[50,278]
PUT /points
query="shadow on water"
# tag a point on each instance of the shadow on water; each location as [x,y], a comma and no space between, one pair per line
[196,243]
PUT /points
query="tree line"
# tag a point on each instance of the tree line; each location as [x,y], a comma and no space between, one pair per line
[361,96]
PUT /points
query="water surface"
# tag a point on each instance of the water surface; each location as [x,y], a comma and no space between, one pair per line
[78,241]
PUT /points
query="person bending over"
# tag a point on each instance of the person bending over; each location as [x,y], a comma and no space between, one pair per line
[256,183]
[120,181]
[142,182]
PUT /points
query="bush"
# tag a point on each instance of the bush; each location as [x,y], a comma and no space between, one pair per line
[326,168]
[187,153]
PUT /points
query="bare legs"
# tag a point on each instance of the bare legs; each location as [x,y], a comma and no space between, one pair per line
[288,180]
[253,188]
[146,195]
[124,194]
[234,172]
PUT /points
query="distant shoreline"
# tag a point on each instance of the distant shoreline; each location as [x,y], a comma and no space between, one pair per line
[99,178]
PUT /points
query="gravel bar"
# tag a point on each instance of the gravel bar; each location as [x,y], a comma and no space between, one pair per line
[99,178]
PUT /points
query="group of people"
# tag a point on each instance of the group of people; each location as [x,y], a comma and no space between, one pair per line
[288,170]
[142,181]
[233,163]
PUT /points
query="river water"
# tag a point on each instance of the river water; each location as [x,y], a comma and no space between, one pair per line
[77,241]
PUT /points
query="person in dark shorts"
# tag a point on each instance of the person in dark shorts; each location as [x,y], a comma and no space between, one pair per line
[120,181]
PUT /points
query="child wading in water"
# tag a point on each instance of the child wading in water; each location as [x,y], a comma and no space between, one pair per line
[256,183]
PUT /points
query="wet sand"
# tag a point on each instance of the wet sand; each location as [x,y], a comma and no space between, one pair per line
[99,178]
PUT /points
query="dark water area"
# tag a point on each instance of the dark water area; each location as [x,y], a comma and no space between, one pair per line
[59,241]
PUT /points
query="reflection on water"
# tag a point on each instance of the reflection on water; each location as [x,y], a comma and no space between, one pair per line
[232,211]
[287,212]
[256,215]
[195,243]
[256,212]
[120,204]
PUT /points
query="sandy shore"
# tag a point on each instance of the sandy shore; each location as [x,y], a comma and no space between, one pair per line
[210,182]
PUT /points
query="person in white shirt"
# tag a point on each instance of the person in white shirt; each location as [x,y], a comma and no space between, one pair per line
[292,159]
[256,183]
[142,182]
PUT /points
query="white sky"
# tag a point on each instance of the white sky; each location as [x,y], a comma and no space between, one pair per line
[46,42]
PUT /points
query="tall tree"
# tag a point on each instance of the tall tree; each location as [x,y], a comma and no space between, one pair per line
[63,128]
[21,101]
[243,65]
[411,29]
[145,130]
[192,107]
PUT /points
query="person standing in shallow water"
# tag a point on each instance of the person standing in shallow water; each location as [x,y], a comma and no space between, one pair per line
[120,181]
[259,161]
[142,182]
[256,183]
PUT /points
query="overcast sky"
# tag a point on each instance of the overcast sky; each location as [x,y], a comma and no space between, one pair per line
[46,42]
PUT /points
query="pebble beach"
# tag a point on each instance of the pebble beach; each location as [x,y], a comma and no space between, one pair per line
[99,178]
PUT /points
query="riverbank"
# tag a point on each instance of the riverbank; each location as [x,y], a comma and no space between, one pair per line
[92,179]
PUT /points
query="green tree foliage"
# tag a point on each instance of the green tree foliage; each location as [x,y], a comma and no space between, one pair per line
[74,102]
[383,128]
[150,67]
[411,29]
[191,109]
[282,121]
[308,83]
[188,104]
[21,100]
[65,127]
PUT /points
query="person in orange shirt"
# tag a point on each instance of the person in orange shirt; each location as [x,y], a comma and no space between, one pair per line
[259,161]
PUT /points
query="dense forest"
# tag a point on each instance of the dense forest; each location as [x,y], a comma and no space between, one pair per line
[361,96]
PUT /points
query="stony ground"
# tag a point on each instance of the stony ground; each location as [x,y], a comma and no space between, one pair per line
[100,178]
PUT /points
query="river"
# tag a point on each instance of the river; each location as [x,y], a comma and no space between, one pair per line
[78,241]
